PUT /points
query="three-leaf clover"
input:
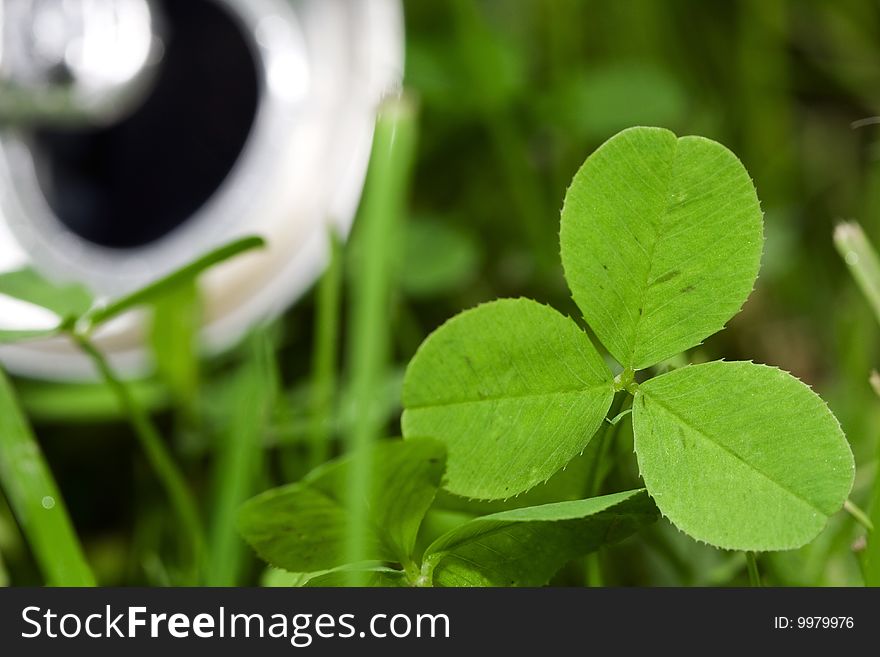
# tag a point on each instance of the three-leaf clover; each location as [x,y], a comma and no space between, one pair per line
[661,244]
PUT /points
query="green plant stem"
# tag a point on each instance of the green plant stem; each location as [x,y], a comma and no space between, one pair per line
[151,442]
[858,515]
[239,458]
[371,283]
[861,258]
[4,576]
[752,565]
[605,438]
[593,565]
[596,477]
[174,337]
[35,500]
[324,355]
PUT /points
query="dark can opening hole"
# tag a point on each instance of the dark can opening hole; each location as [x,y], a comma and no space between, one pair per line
[131,183]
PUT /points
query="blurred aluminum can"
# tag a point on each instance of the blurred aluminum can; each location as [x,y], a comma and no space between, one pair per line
[231,118]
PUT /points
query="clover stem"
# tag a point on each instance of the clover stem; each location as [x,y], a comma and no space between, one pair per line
[626,381]
[424,575]
[597,474]
[861,258]
[151,442]
[752,564]
[858,515]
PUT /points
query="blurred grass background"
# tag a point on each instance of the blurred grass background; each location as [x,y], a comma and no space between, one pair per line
[513,95]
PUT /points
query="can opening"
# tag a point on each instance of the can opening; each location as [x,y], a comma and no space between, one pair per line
[129,184]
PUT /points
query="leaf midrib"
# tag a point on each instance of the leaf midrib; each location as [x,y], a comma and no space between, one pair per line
[658,236]
[733,454]
[604,386]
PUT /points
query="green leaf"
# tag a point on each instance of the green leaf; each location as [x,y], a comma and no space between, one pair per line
[34,498]
[525,547]
[66,301]
[12,336]
[297,528]
[741,456]
[405,479]
[303,527]
[566,485]
[661,242]
[186,274]
[513,388]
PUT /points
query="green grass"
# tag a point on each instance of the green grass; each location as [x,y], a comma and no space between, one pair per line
[371,292]
[32,493]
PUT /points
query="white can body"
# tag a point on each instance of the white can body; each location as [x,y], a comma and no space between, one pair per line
[323,67]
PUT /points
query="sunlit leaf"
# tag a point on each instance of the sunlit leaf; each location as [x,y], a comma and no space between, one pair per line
[661,242]
[513,388]
[741,456]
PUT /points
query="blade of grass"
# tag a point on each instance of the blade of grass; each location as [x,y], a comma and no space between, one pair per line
[861,258]
[35,499]
[185,274]
[371,283]
[864,265]
[325,356]
[174,335]
[238,460]
[157,453]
